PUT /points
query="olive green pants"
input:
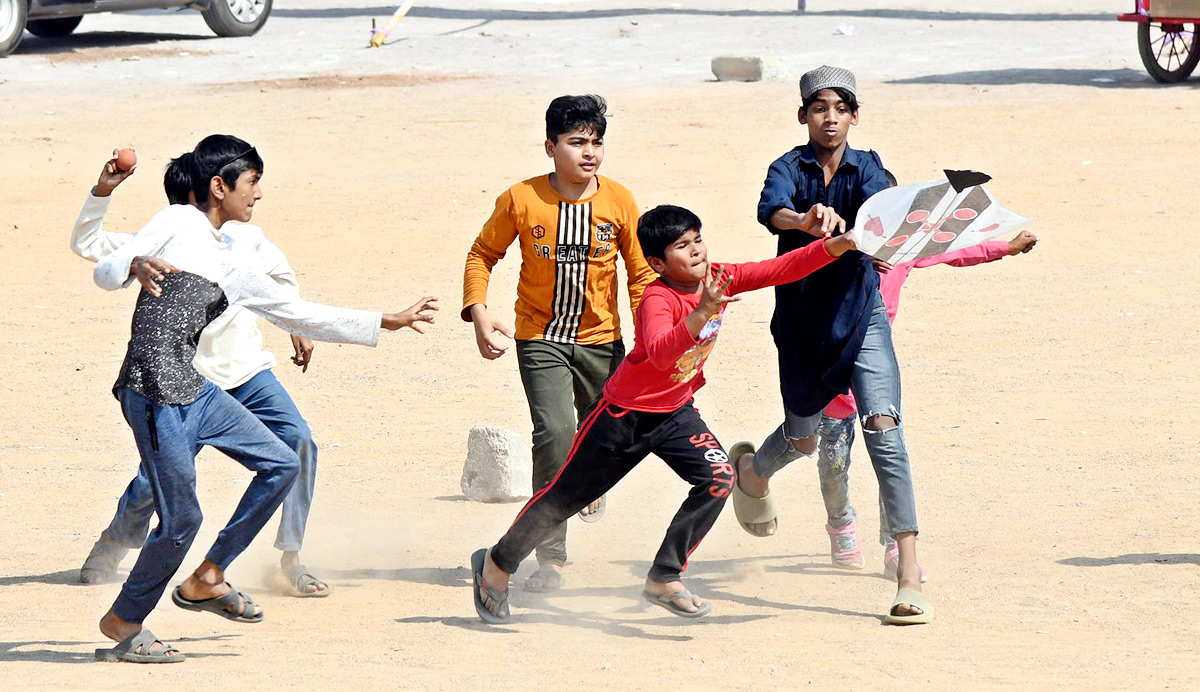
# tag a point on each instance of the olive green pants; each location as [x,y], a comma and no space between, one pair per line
[561,381]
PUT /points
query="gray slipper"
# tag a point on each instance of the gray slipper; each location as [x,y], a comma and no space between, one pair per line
[220,604]
[551,580]
[299,577]
[668,602]
[136,649]
[480,589]
[101,564]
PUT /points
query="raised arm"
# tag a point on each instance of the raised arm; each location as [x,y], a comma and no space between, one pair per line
[89,240]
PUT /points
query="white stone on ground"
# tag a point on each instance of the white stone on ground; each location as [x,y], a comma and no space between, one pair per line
[499,465]
[733,68]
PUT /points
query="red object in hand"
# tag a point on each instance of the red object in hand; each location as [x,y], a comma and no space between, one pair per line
[126,159]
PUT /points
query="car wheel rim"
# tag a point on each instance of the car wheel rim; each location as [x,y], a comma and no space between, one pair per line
[245,11]
[8,18]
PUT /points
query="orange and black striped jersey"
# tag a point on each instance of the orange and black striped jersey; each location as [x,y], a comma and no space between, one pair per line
[567,291]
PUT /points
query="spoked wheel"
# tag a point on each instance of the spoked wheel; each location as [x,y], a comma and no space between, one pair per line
[1169,51]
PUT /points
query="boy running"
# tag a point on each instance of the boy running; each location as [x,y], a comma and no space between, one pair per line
[231,355]
[570,225]
[832,332]
[646,408]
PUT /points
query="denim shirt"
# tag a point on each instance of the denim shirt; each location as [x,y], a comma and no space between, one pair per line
[820,321]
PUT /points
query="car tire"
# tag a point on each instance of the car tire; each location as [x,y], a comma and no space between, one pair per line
[235,17]
[13,15]
[53,28]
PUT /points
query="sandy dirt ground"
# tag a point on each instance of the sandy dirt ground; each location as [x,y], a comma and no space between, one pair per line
[1056,488]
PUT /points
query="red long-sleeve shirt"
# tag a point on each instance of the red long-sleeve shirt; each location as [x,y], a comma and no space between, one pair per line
[664,370]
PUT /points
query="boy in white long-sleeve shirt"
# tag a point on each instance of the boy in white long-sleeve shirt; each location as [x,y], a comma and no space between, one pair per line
[230,355]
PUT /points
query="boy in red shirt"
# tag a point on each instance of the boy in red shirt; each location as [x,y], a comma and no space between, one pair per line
[646,407]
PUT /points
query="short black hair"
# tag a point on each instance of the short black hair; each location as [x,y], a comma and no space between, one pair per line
[569,113]
[177,181]
[221,155]
[845,95]
[663,225]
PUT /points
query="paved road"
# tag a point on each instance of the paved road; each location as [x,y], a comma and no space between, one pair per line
[601,42]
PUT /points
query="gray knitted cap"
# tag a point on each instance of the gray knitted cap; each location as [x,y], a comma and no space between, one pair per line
[826,77]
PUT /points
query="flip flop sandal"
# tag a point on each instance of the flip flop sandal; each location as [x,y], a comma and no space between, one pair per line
[101,564]
[551,580]
[219,604]
[136,649]
[751,510]
[479,589]
[910,597]
[593,517]
[299,577]
[668,602]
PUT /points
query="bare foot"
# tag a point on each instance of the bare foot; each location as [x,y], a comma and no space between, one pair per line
[592,508]
[658,588]
[755,486]
[118,630]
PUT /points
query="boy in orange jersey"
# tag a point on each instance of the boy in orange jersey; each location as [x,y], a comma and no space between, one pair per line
[570,224]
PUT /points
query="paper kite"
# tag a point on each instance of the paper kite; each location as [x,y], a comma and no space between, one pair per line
[910,222]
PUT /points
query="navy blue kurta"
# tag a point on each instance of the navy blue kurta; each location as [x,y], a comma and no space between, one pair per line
[820,321]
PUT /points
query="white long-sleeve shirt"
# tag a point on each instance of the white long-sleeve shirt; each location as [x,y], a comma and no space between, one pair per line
[183,236]
[231,350]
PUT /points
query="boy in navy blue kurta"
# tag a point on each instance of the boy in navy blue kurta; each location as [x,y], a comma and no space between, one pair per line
[832,332]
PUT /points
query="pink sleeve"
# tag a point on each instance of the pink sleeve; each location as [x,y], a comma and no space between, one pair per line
[784,269]
[664,332]
[988,251]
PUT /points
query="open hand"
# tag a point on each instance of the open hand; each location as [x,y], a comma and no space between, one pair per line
[712,292]
[111,176]
[304,350]
[414,318]
[149,271]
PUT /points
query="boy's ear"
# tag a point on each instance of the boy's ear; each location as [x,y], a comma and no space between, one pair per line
[854,118]
[656,264]
[217,188]
[550,148]
[802,116]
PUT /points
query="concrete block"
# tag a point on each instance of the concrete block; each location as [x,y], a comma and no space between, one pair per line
[499,466]
[732,68]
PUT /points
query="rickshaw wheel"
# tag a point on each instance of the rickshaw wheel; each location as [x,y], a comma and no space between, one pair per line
[1169,51]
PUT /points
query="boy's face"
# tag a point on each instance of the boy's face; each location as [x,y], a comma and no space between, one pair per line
[238,202]
[828,119]
[577,155]
[686,259]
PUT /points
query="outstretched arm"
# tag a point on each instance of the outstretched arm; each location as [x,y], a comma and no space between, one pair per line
[258,293]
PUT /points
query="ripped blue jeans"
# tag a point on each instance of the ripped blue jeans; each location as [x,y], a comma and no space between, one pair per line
[875,383]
